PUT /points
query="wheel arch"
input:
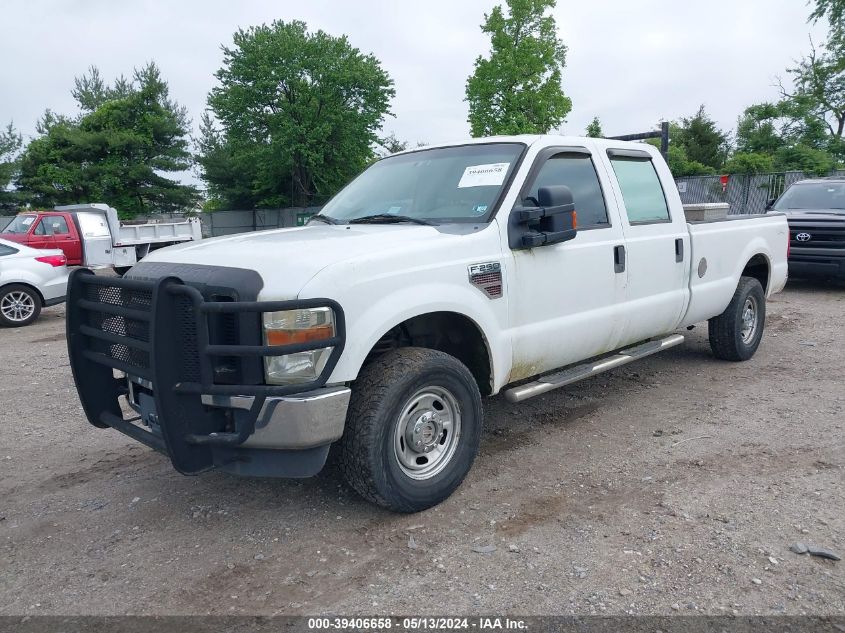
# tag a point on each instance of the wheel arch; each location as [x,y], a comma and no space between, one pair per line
[760,268]
[448,331]
[28,285]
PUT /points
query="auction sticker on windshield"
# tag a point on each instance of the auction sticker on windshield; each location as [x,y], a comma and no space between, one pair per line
[484,175]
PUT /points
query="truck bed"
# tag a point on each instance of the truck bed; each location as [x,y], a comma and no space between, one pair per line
[721,248]
[158,232]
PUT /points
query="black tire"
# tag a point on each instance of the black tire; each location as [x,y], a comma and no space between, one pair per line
[729,337]
[30,296]
[370,446]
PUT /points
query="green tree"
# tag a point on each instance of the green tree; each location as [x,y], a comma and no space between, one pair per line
[294,117]
[594,128]
[10,145]
[787,136]
[834,12]
[816,102]
[683,137]
[761,129]
[114,153]
[680,163]
[517,90]
[800,157]
[702,141]
[390,145]
[749,163]
[91,91]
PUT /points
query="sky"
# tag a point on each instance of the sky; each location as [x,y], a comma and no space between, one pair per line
[632,63]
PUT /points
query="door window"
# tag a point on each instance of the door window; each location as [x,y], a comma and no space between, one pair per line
[7,250]
[577,172]
[58,225]
[641,190]
[40,228]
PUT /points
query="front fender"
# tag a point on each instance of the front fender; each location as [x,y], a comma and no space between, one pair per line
[368,321]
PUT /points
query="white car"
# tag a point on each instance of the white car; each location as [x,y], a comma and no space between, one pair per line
[30,279]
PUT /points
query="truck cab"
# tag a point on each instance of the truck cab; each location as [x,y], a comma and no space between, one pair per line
[46,229]
[437,277]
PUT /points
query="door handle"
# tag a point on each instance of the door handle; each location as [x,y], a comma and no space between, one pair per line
[619,259]
[679,249]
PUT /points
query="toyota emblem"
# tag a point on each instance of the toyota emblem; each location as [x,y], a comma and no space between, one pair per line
[803,237]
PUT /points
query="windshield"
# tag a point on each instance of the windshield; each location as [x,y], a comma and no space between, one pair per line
[817,195]
[20,224]
[449,184]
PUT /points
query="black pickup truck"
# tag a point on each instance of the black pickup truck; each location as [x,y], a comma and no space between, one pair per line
[815,211]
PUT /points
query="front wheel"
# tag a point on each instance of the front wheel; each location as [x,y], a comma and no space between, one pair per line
[413,429]
[736,333]
[19,305]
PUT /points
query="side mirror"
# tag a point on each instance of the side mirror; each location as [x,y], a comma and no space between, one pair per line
[770,203]
[552,221]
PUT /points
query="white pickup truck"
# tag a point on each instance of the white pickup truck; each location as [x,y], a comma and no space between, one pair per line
[438,276]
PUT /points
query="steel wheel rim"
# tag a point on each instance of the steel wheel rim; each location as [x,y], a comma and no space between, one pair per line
[427,433]
[17,306]
[749,320]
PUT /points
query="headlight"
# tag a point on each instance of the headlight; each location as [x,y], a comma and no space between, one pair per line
[297,326]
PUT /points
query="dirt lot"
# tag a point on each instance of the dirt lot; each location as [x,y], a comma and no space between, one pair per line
[675,485]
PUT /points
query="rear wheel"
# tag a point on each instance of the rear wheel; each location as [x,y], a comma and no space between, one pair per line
[19,305]
[736,333]
[413,429]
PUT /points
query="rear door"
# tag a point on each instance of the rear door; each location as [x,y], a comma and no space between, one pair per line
[657,246]
[566,300]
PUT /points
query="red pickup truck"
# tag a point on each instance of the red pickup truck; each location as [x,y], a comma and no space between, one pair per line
[47,229]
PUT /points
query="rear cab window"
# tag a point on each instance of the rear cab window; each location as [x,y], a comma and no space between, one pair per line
[642,191]
[576,171]
[57,225]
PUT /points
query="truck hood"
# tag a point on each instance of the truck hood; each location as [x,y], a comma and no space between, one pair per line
[19,238]
[288,258]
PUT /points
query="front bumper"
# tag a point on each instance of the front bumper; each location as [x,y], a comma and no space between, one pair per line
[157,343]
[303,420]
[817,266]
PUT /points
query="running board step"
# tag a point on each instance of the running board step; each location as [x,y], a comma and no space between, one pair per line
[580,372]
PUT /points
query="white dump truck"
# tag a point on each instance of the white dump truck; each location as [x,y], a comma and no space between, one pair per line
[91,235]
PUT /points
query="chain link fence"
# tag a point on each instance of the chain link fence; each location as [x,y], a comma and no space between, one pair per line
[229,222]
[746,193]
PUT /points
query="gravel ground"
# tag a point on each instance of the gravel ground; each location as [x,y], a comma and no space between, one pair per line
[674,485]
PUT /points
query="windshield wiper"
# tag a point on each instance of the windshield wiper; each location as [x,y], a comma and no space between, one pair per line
[388,218]
[324,218]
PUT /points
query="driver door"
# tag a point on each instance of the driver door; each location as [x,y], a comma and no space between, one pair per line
[39,235]
[567,299]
